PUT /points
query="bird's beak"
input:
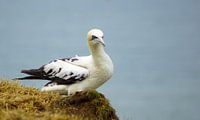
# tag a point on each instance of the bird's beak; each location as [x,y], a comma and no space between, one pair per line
[101,41]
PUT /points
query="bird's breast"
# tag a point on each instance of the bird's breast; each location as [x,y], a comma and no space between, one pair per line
[102,71]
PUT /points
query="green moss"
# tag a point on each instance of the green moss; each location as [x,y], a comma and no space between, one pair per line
[20,103]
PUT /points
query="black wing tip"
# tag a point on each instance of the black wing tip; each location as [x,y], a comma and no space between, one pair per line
[28,78]
[22,78]
[24,71]
[15,79]
[33,72]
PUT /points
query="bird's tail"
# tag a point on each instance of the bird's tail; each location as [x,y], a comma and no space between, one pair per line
[34,74]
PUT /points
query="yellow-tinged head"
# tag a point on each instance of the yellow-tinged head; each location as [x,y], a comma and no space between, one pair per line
[95,38]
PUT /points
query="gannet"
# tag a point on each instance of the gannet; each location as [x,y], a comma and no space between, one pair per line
[79,73]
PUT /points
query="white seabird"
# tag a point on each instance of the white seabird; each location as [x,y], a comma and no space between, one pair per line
[70,75]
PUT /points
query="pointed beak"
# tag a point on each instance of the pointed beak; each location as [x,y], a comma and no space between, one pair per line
[101,41]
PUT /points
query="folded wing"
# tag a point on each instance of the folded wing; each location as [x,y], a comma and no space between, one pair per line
[59,71]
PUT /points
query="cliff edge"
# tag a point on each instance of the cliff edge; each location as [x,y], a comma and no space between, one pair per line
[18,102]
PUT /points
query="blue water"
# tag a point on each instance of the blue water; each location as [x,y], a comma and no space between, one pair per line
[155,47]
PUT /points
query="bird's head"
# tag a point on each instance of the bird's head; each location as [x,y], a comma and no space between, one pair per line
[95,37]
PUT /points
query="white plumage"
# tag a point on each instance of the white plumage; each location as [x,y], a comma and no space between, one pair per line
[70,75]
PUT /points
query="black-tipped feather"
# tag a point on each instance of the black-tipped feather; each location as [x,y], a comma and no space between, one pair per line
[55,72]
[34,72]
[40,74]
[28,77]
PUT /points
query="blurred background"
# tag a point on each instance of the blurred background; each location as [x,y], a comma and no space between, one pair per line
[154,44]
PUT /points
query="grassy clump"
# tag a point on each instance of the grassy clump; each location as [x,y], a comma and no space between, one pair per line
[20,103]
[88,103]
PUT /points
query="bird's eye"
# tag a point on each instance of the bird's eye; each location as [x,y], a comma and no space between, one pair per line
[93,37]
[102,36]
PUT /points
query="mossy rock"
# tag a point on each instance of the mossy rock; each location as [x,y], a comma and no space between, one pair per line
[21,103]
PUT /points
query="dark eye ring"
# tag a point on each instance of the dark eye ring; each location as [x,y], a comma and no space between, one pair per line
[93,37]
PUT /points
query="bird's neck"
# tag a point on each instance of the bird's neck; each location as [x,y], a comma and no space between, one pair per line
[98,53]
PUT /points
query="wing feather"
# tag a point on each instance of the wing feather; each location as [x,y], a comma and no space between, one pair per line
[65,71]
[59,71]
